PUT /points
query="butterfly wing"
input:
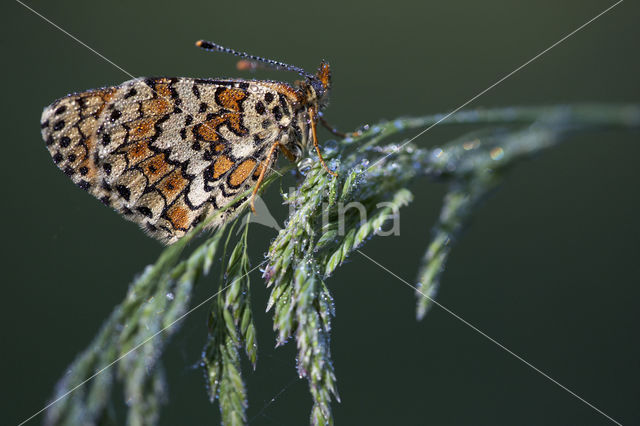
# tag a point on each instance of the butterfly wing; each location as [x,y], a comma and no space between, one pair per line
[164,152]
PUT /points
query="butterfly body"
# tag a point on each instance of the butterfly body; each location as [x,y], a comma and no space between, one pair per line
[168,152]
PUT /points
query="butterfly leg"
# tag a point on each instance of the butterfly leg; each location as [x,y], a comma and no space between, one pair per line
[266,166]
[287,153]
[312,114]
[332,129]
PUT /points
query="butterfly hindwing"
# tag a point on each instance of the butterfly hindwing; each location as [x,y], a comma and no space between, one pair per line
[166,152]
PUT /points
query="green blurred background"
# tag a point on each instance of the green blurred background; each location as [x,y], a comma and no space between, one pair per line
[549,266]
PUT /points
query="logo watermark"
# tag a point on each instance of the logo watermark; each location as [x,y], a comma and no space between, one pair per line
[339,213]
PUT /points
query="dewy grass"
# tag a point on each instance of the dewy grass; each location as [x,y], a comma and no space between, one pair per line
[375,168]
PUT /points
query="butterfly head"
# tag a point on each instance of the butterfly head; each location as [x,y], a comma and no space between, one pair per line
[321,83]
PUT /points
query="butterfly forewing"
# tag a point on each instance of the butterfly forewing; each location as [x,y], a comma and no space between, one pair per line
[167,152]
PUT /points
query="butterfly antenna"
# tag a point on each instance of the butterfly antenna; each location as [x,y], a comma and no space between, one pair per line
[213,47]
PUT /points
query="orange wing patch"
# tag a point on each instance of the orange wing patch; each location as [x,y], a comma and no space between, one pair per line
[137,152]
[155,167]
[162,87]
[207,130]
[283,88]
[234,122]
[230,98]
[155,107]
[221,166]
[142,128]
[242,172]
[178,215]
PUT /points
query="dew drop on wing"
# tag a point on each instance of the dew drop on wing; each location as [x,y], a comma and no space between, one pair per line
[170,296]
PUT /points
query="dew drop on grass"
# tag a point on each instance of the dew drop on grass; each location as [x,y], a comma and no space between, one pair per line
[305,165]
[330,147]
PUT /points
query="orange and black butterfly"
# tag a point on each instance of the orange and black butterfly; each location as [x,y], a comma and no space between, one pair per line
[168,152]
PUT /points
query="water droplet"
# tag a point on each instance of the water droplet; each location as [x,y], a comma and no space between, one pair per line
[497,153]
[305,165]
[471,145]
[170,296]
[333,165]
[330,146]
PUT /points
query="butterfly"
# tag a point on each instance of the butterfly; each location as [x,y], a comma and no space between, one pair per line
[168,152]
